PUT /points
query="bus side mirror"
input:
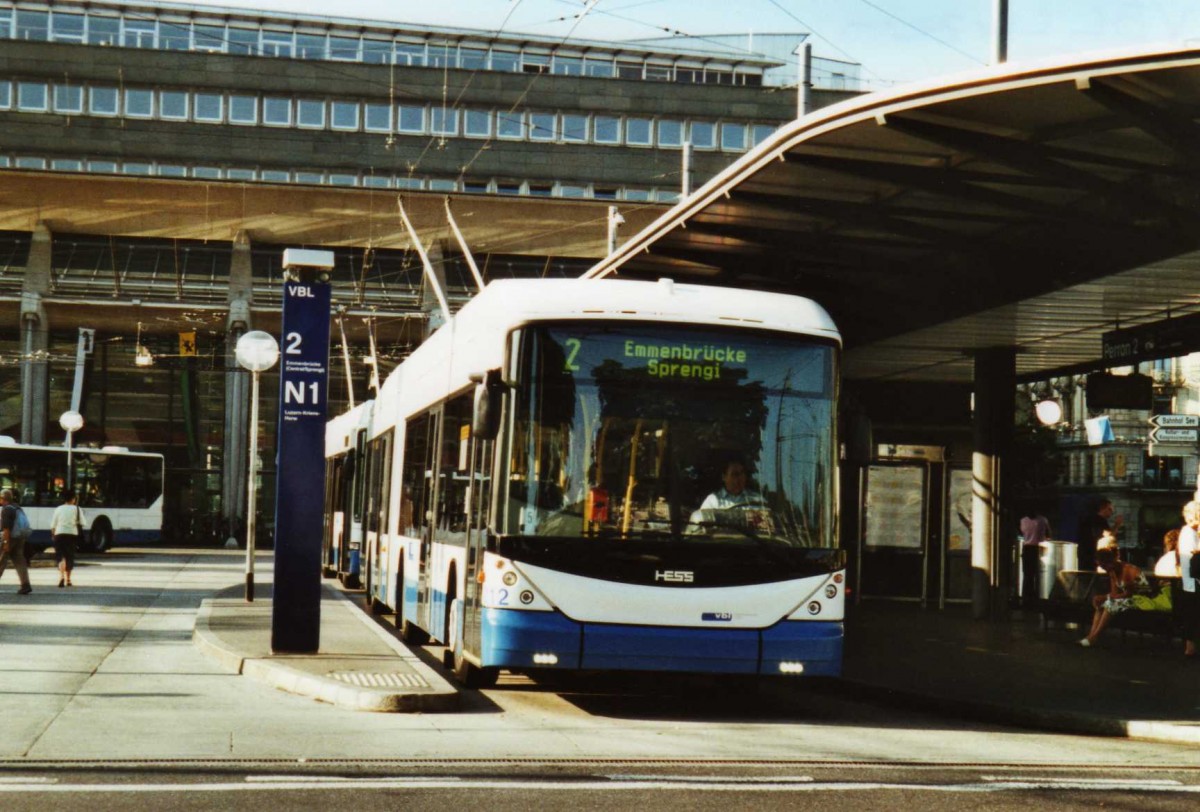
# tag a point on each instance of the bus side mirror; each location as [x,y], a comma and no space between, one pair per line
[489,394]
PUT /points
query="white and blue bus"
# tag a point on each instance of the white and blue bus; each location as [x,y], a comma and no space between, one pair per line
[120,491]
[345,470]
[536,471]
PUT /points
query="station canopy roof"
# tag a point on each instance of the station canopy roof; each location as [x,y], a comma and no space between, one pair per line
[1033,206]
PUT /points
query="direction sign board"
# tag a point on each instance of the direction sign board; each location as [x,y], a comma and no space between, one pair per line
[1146,342]
[1162,435]
[1175,421]
[1171,450]
[300,462]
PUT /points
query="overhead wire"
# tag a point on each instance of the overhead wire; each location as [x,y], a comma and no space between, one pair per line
[825,39]
[589,5]
[923,32]
[674,32]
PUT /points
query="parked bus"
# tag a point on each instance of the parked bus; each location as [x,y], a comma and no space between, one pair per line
[120,491]
[539,471]
[345,469]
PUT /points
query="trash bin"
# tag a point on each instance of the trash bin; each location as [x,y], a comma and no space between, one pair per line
[1056,556]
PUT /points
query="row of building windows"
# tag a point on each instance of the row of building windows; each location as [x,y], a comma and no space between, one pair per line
[382,117]
[527,188]
[282,39]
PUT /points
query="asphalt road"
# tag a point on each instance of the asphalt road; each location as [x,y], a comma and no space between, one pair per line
[105,703]
[498,785]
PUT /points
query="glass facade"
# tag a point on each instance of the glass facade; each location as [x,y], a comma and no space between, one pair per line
[101,24]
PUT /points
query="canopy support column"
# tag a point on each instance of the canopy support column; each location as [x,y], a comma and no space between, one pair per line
[995,384]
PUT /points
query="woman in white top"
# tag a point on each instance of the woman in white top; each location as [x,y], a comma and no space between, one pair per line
[1189,600]
[1168,565]
[65,526]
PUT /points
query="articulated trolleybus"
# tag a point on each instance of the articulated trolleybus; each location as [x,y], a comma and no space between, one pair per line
[120,491]
[345,447]
[553,481]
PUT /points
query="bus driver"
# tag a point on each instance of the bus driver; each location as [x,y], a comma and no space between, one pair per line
[732,505]
[733,492]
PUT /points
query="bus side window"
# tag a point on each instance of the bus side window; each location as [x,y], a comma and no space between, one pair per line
[454,470]
[413,481]
[483,454]
[381,480]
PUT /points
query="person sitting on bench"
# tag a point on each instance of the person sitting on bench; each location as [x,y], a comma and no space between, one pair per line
[1123,578]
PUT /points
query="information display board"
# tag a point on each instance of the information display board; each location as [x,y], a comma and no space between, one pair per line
[895,506]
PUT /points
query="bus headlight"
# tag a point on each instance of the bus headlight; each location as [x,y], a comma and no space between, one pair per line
[814,608]
[509,578]
[791,668]
[830,591]
[546,658]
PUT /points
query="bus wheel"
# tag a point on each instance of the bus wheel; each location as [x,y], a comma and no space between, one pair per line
[469,674]
[101,537]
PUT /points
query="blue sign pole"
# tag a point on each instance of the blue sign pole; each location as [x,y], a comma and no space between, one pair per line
[300,468]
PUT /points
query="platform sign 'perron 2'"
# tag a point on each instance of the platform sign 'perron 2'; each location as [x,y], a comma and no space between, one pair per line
[300,465]
[1167,338]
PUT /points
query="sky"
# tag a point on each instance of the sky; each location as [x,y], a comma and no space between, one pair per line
[894,40]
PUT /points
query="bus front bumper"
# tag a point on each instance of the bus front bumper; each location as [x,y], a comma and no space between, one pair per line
[524,639]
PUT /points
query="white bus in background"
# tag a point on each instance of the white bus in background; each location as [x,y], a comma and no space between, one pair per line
[120,491]
[345,470]
[535,472]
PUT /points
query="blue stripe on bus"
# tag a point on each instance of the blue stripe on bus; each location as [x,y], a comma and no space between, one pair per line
[137,536]
[40,539]
[512,638]
[647,648]
[437,614]
[815,643]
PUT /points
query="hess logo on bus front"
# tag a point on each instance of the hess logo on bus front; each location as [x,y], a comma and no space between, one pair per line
[674,576]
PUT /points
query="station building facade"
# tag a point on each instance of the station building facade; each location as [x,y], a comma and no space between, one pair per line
[157,159]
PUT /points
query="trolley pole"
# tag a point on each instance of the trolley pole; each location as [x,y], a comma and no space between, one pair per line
[999,32]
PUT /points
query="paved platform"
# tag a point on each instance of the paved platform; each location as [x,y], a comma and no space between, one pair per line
[1015,672]
[1010,672]
[359,666]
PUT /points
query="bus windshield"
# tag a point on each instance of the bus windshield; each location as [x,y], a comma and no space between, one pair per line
[643,432]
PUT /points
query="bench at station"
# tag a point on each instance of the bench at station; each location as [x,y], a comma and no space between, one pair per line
[1071,596]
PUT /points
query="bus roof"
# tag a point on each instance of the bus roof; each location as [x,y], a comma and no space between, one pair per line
[509,303]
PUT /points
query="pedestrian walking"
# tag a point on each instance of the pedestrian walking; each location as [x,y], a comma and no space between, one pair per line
[14,532]
[66,526]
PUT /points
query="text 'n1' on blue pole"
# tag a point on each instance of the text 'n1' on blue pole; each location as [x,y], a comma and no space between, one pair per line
[300,465]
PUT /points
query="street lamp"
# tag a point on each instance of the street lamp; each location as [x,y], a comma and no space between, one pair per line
[1048,411]
[71,422]
[256,351]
